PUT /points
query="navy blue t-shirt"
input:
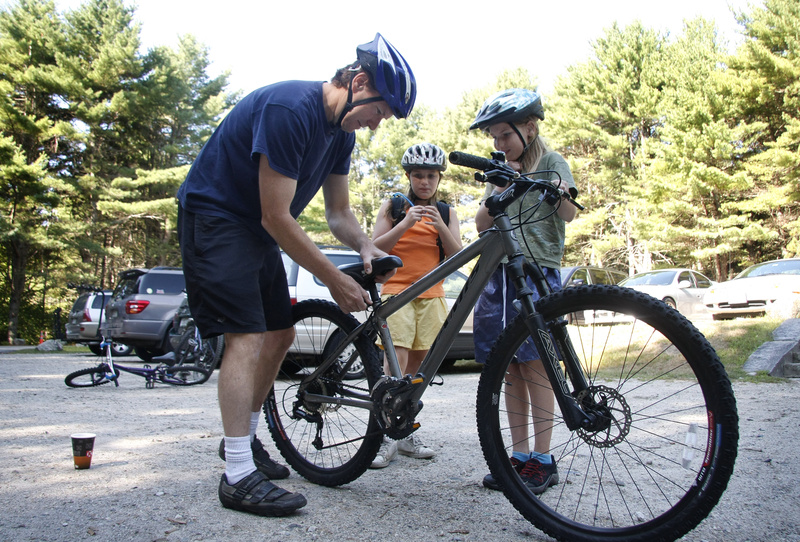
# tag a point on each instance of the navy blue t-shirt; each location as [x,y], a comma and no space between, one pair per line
[287,123]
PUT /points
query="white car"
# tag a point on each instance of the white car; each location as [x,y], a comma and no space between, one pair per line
[303,285]
[755,289]
[680,288]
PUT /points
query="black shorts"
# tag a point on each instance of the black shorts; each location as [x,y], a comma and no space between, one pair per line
[235,281]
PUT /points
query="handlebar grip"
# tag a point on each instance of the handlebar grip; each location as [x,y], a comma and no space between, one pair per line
[470,161]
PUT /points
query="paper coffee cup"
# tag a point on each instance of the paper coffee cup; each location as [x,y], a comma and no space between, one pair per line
[82,448]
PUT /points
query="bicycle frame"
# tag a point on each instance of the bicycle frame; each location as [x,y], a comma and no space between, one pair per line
[490,253]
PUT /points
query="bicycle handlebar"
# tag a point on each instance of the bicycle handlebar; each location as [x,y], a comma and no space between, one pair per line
[499,173]
[470,161]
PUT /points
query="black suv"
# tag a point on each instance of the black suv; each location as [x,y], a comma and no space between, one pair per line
[141,308]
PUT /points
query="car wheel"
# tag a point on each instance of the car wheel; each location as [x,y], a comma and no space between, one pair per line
[670,302]
[145,354]
[95,349]
[356,370]
[119,349]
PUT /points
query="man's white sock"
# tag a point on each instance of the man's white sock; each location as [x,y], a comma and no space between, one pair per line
[254,417]
[238,459]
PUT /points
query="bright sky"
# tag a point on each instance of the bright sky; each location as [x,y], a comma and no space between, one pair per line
[450,47]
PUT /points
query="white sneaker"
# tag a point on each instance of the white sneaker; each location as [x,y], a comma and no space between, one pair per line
[385,455]
[413,447]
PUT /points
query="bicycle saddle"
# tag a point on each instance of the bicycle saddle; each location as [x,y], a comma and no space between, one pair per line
[380,266]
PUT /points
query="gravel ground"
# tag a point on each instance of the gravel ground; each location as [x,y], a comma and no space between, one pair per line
[155,471]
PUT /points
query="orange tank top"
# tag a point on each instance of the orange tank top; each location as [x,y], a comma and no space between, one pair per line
[420,253]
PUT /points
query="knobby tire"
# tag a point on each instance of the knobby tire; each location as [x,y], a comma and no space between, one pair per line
[87,378]
[328,444]
[656,376]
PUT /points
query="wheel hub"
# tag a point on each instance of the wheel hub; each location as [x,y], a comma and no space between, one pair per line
[610,416]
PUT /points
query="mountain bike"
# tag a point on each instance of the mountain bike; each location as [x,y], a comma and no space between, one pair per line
[178,374]
[645,427]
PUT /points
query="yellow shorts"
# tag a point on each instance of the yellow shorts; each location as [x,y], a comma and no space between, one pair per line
[416,325]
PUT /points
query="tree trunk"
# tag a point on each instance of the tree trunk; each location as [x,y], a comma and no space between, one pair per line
[20,251]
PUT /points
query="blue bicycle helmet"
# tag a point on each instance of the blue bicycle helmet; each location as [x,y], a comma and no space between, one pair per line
[512,106]
[390,73]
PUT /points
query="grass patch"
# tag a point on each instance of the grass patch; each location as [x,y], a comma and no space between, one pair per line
[735,340]
[68,349]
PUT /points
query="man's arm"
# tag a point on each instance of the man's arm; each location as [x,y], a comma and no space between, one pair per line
[276,193]
[343,222]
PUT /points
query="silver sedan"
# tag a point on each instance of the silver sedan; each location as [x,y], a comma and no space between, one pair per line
[681,289]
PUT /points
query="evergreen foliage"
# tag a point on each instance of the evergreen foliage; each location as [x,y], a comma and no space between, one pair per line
[684,154]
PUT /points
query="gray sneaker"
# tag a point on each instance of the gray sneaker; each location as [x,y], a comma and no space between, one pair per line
[387,452]
[257,495]
[412,446]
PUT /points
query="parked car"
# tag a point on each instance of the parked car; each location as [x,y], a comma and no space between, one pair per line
[755,289]
[681,289]
[303,285]
[585,274]
[82,321]
[141,309]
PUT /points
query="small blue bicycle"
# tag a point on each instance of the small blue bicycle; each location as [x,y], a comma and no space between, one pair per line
[178,374]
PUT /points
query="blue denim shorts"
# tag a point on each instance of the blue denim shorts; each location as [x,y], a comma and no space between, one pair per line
[495,310]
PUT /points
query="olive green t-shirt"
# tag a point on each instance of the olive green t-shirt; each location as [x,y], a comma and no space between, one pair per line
[542,240]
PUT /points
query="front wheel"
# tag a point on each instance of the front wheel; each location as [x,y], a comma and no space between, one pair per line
[194,351]
[328,442]
[664,442]
[94,376]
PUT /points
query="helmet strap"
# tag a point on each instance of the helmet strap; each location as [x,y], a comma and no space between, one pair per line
[525,144]
[350,105]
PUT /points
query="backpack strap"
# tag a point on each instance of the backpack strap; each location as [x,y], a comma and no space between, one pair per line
[398,210]
[399,213]
[444,210]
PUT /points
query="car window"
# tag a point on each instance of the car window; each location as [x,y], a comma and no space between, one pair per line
[339,260]
[599,276]
[80,303]
[343,259]
[687,276]
[453,284]
[702,280]
[661,278]
[162,283]
[781,267]
[581,275]
[126,287]
[617,277]
[97,302]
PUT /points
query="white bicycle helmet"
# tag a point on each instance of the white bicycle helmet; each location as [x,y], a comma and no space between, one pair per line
[512,106]
[424,156]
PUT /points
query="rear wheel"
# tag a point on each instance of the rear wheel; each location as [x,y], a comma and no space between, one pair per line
[664,442]
[330,443]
